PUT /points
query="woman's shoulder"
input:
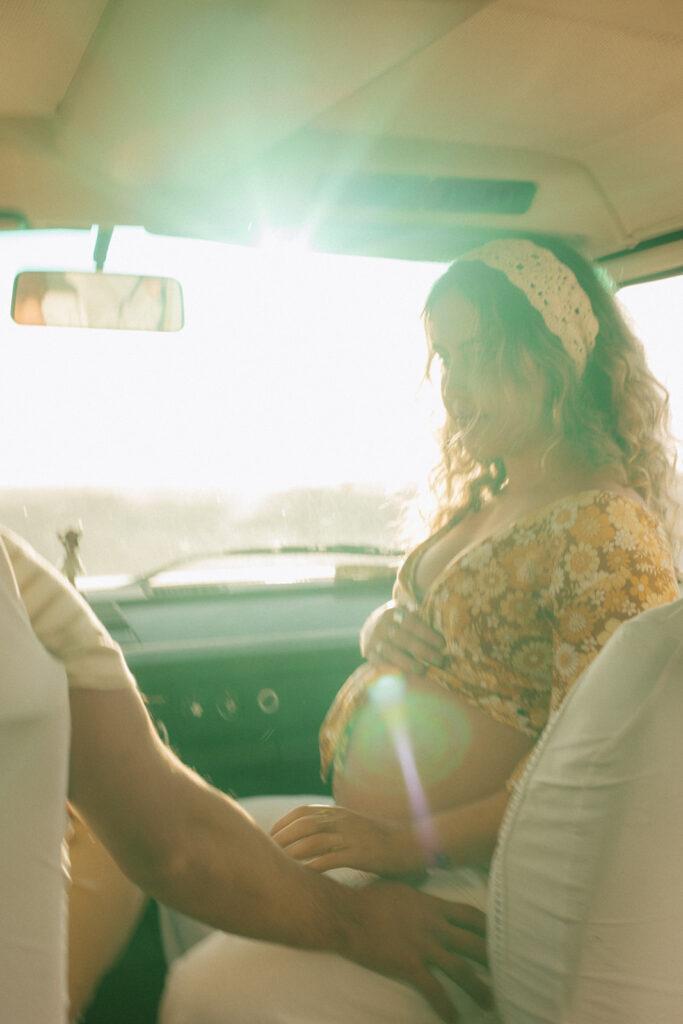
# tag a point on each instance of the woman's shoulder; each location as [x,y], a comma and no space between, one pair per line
[614,493]
[613,502]
[588,517]
[606,498]
[610,526]
[558,511]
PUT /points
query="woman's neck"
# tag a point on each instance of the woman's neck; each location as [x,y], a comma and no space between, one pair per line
[532,474]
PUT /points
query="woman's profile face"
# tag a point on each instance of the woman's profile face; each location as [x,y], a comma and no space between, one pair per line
[494,417]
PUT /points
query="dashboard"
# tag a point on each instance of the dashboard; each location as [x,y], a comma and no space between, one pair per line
[238,682]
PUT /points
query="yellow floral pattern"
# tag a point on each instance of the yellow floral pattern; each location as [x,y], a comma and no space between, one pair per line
[525,611]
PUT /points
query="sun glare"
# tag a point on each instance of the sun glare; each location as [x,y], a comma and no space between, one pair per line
[277,240]
[293,369]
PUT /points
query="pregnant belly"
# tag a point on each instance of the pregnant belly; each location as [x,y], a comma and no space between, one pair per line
[417,748]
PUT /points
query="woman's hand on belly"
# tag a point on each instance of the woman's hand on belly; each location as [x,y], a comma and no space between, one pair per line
[335,837]
[393,635]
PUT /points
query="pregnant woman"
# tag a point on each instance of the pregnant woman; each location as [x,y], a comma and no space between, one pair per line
[554,523]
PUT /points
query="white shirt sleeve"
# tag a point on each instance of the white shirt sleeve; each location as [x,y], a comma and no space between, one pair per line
[63,622]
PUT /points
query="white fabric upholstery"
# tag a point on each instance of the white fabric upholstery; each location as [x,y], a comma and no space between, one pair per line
[223,979]
[586,909]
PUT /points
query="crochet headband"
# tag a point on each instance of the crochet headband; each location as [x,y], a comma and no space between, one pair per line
[550,286]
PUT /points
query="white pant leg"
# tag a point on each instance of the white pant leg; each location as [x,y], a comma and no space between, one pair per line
[229,980]
[266,810]
[226,979]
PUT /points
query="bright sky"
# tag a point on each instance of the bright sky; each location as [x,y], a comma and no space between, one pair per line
[292,370]
[656,309]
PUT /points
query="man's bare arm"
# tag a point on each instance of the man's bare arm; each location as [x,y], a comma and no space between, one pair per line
[192,847]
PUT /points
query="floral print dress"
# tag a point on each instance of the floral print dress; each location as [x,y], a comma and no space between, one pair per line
[524,612]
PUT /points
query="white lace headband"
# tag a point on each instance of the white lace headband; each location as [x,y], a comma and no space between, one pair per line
[550,286]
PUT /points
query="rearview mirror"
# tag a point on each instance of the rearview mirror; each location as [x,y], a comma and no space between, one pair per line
[119,301]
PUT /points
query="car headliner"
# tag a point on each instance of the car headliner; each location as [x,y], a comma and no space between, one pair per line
[213,118]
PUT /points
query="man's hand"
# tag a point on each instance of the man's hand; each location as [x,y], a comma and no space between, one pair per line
[403,933]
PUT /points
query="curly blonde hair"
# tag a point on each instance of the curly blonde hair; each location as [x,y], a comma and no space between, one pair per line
[615,414]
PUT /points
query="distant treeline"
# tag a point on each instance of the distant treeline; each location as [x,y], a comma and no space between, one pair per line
[129,532]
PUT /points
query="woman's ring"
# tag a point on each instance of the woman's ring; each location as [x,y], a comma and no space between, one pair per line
[398,616]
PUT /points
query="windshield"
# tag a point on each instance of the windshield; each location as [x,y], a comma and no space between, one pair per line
[289,410]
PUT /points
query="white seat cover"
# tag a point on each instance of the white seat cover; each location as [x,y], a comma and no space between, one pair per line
[586,913]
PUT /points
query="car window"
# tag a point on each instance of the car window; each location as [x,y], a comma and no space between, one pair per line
[288,410]
[656,312]
[655,309]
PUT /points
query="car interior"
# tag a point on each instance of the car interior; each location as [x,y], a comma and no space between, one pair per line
[219,223]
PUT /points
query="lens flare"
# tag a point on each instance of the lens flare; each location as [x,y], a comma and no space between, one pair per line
[392,699]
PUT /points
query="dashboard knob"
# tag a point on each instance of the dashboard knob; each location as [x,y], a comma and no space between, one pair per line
[268,701]
[227,705]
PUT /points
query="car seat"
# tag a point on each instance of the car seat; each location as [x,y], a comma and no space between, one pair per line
[586,899]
